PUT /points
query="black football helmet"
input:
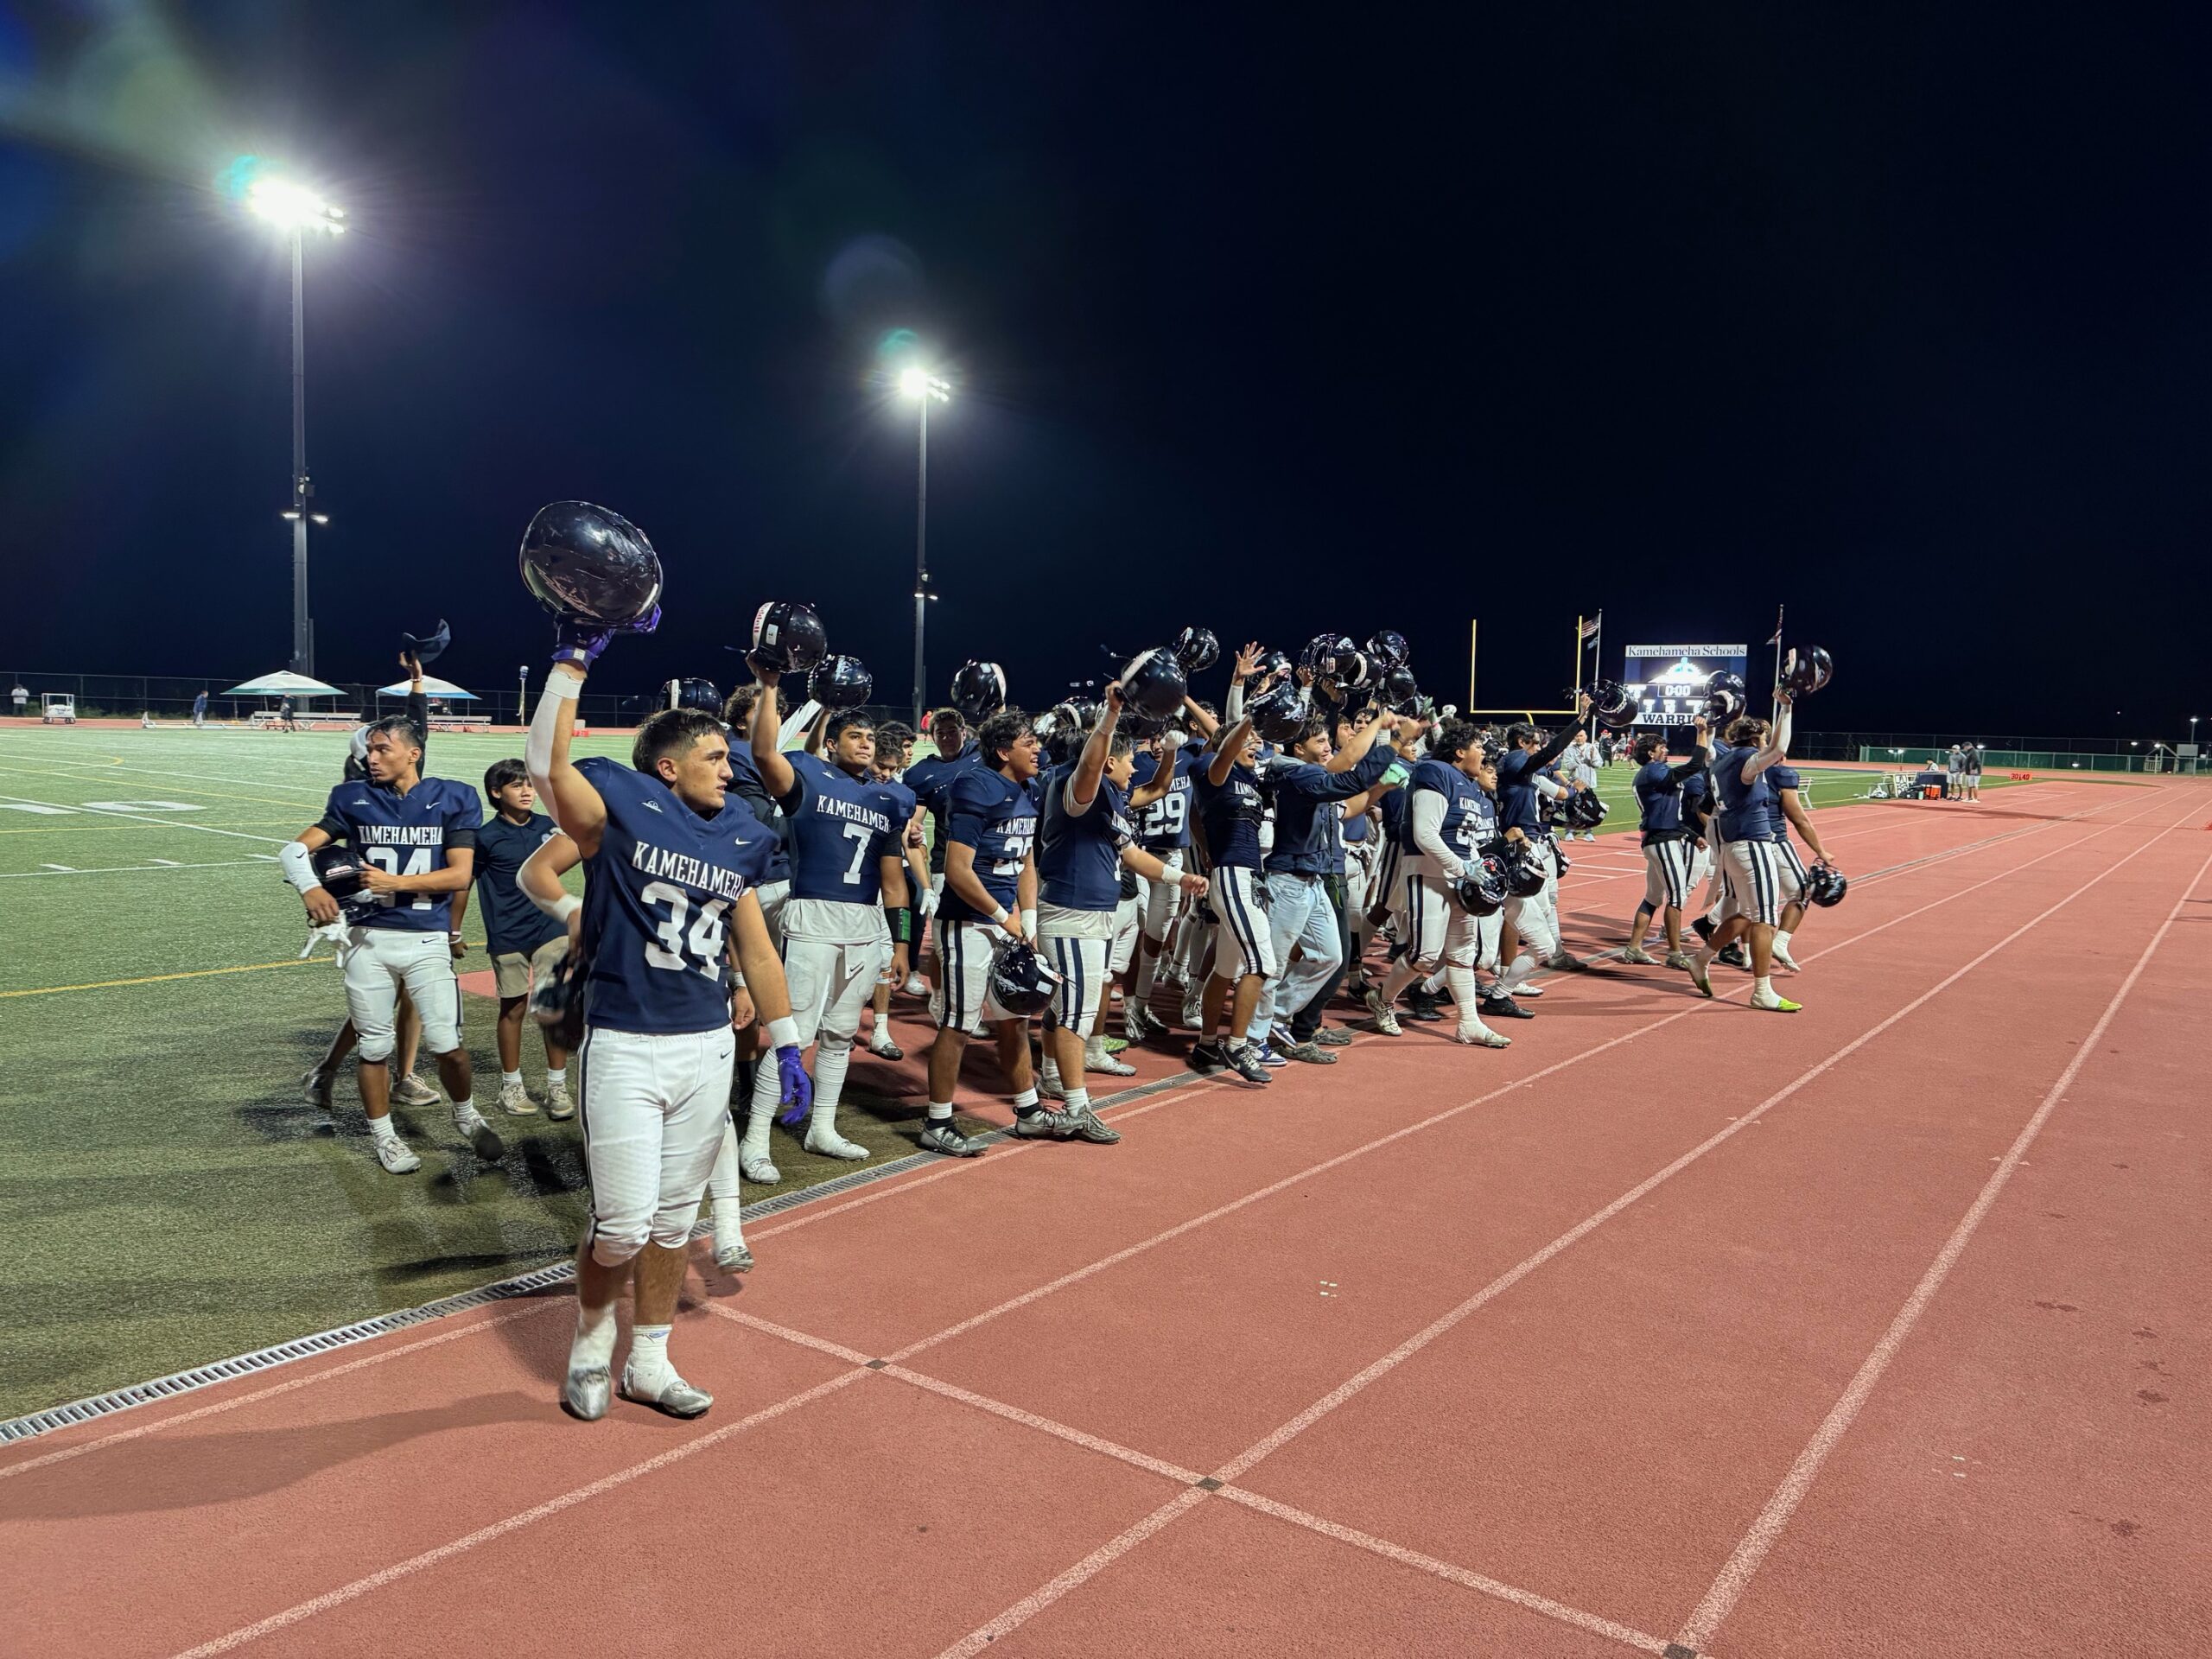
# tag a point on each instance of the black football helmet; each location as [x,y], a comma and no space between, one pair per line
[557,1004]
[1020,982]
[692,694]
[1524,874]
[1805,670]
[1278,712]
[1274,664]
[1398,692]
[585,564]
[1197,649]
[1387,649]
[1063,729]
[788,637]
[1583,809]
[1326,652]
[979,690]
[339,871]
[841,681]
[1481,891]
[1154,683]
[1825,886]
[1613,706]
[1138,725]
[1353,670]
[426,648]
[1724,697]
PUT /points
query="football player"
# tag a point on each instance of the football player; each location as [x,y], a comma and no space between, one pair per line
[671,861]
[1789,813]
[417,836]
[848,864]
[931,779]
[1231,805]
[1761,882]
[990,894]
[1086,839]
[894,747]
[1163,831]
[1667,850]
[1526,754]
[525,944]
[1312,783]
[1451,821]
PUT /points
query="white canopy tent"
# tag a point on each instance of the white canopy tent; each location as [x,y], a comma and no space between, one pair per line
[283,683]
[432,687]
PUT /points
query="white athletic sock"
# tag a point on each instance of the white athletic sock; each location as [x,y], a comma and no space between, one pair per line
[1781,942]
[595,1341]
[723,1183]
[1433,983]
[1148,968]
[1461,981]
[1050,1070]
[649,1352]
[1078,1100]
[380,1129]
[767,1087]
[1762,986]
[506,1077]
[1095,1047]
[1512,978]
[1400,976]
[830,1064]
[556,1075]
[940,1111]
[1025,1100]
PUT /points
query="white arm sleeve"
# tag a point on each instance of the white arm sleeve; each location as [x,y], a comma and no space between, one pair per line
[1428,832]
[299,867]
[1233,706]
[802,717]
[1551,791]
[559,909]
[556,702]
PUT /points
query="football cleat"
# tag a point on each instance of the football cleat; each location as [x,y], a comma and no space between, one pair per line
[1678,959]
[1775,1004]
[1141,1024]
[670,1394]
[1089,1127]
[1043,1124]
[1108,1066]
[1049,1086]
[1503,1008]
[1701,971]
[1559,962]
[1636,956]
[584,1393]
[733,1258]
[1245,1060]
[1194,1012]
[939,1135]
[760,1170]
[1385,1020]
[884,1049]
[1733,957]
[915,986]
[1422,1005]
[1481,1036]
[1208,1056]
[315,1087]
[828,1143]
[1783,959]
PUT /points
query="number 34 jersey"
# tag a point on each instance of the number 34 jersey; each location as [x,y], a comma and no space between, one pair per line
[406,835]
[656,900]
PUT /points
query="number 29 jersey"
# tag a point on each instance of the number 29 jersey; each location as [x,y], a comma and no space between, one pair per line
[997,816]
[658,895]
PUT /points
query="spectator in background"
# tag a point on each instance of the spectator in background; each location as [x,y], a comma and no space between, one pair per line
[20,696]
[199,708]
[284,717]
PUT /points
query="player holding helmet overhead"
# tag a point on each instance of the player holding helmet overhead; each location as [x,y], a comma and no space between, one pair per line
[1526,754]
[991,896]
[1668,844]
[1761,882]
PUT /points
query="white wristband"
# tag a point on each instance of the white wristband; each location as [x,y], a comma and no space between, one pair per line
[563,907]
[784,1032]
[299,867]
[1028,924]
[999,915]
[563,685]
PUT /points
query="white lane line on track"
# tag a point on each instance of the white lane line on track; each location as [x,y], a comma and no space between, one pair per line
[1735,1574]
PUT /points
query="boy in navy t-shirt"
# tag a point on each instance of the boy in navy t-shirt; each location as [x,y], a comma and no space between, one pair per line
[522,940]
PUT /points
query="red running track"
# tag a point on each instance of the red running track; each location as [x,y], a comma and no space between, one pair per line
[1674,1328]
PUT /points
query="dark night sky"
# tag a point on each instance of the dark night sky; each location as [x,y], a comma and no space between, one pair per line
[1901,315]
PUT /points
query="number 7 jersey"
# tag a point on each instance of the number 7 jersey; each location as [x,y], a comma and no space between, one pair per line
[656,900]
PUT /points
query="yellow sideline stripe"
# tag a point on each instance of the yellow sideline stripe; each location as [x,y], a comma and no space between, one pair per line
[156,979]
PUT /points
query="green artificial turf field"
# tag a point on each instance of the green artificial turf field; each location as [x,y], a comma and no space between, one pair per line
[172,1199]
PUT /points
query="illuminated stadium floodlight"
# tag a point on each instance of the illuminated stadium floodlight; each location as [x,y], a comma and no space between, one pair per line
[923,388]
[298,211]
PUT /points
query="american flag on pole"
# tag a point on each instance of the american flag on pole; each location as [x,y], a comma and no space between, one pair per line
[1591,627]
[1777,627]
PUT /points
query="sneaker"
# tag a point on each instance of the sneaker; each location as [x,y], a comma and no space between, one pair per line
[670,1392]
[515,1100]
[1678,959]
[1701,971]
[828,1143]
[557,1103]
[395,1155]
[1480,1035]
[1379,1010]
[1245,1060]
[1528,987]
[1267,1056]
[316,1086]
[1559,962]
[483,1140]
[1049,1086]
[1207,1057]
[1310,1053]
[915,986]
[939,1135]
[584,1393]
[1775,1004]
[1503,1008]
[884,1049]
[1636,956]
[1089,1127]
[733,1258]
[1333,1037]
[1141,1024]
[758,1171]
[411,1090]
[1043,1124]
[1108,1065]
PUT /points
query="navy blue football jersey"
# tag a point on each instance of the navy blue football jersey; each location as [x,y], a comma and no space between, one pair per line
[1165,826]
[1779,779]
[931,780]
[1470,821]
[1079,855]
[841,828]
[657,897]
[1232,815]
[745,781]
[1743,806]
[1658,800]
[406,835]
[997,816]
[1516,789]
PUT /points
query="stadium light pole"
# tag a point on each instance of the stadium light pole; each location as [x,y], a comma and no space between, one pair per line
[297,211]
[925,389]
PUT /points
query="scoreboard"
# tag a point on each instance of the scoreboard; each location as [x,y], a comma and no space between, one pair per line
[1669,681]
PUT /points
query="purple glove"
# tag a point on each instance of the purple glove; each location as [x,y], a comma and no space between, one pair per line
[579,642]
[797,1088]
